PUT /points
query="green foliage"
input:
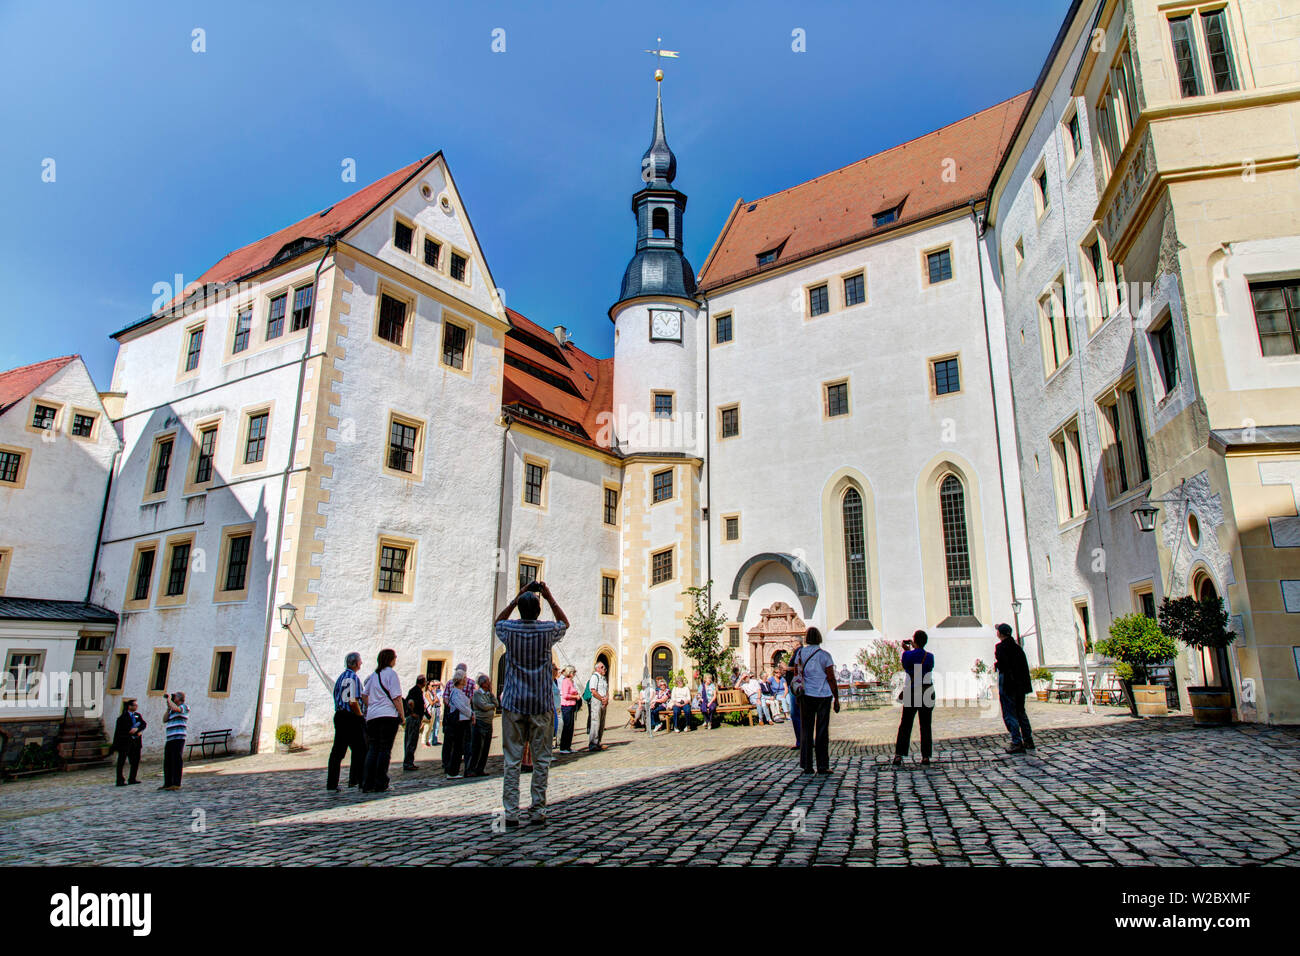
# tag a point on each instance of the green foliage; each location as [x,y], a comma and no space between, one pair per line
[1138,641]
[1040,673]
[1198,624]
[882,660]
[286,735]
[703,640]
[734,719]
[36,757]
[1124,671]
[980,668]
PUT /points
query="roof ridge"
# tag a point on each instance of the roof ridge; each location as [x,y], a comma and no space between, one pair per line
[915,139]
[65,359]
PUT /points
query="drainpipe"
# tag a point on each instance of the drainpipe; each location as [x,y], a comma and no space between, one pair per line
[497,576]
[997,429]
[330,240]
[708,470]
[99,534]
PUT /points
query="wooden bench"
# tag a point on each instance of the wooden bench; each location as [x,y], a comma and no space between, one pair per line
[732,700]
[1065,689]
[211,738]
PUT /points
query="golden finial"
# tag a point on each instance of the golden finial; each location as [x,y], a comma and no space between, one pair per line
[659,55]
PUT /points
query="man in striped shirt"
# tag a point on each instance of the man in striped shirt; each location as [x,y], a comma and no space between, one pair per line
[349,726]
[527,695]
[174,727]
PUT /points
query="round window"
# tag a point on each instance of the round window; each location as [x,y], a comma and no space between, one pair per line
[1193,530]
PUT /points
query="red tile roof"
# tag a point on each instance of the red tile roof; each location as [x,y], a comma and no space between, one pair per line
[837,208]
[333,220]
[16,384]
[585,384]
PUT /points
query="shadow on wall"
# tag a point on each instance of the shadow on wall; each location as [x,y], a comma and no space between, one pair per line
[199,609]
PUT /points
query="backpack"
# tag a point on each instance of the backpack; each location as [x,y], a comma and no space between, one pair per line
[586,691]
[796,682]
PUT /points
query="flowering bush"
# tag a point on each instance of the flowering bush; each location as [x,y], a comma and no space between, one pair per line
[980,668]
[882,660]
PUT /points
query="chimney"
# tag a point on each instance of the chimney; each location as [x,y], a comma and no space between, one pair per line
[561,335]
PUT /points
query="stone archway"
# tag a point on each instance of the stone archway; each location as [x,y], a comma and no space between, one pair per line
[781,629]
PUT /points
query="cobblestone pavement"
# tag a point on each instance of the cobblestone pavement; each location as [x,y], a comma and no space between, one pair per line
[1102,790]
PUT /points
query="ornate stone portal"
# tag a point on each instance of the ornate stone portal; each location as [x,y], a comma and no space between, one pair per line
[781,629]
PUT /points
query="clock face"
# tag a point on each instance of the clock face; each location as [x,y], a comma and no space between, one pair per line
[666,324]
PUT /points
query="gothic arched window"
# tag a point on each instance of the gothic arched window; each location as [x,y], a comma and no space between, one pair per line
[855,556]
[956,549]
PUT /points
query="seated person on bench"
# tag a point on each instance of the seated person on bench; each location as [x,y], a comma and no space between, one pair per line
[681,701]
[753,689]
[659,703]
[708,701]
[774,694]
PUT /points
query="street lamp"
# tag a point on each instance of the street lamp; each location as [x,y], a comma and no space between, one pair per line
[1145,516]
[287,612]
[1016,606]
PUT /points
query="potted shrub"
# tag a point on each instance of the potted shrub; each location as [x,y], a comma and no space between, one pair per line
[285,735]
[983,679]
[1204,626]
[1138,642]
[1041,679]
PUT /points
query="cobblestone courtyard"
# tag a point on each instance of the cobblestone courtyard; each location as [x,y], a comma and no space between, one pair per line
[1102,790]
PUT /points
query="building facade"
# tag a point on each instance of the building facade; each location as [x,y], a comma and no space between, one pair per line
[1081,419]
[57,447]
[1194,110]
[922,391]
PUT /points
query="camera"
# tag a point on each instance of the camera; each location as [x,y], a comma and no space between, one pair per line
[534,586]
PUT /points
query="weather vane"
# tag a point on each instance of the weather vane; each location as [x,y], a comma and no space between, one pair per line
[659,58]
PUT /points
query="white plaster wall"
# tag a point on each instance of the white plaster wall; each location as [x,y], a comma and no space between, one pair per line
[51,522]
[643,366]
[451,512]
[571,538]
[774,473]
[1099,557]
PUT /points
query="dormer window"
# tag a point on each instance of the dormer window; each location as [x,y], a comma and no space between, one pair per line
[886,216]
[767,258]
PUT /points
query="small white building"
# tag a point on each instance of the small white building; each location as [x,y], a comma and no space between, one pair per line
[57,446]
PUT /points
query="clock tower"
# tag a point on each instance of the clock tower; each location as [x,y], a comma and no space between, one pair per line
[657,336]
[657,421]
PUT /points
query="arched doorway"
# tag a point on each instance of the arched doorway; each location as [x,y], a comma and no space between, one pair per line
[1214,661]
[603,657]
[661,663]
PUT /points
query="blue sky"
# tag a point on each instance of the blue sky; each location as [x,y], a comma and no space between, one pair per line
[166,159]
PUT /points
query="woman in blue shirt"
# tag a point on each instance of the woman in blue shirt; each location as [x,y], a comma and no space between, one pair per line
[918,698]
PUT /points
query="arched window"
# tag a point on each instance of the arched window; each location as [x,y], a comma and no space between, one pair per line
[659,223]
[855,556]
[956,550]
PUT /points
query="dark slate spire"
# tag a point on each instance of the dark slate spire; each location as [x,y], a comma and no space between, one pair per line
[658,268]
[658,164]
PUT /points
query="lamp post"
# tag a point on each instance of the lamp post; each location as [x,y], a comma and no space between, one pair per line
[287,613]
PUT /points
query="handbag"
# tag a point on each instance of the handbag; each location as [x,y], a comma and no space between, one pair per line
[796,682]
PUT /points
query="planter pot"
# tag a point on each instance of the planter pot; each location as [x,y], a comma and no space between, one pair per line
[1148,700]
[282,748]
[1042,694]
[1211,706]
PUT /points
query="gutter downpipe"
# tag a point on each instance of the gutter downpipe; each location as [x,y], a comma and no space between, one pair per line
[330,241]
[99,535]
[997,427]
[498,573]
[708,459]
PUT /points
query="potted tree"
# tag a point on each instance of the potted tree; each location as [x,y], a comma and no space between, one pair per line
[1204,626]
[285,735]
[1138,643]
[1041,679]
